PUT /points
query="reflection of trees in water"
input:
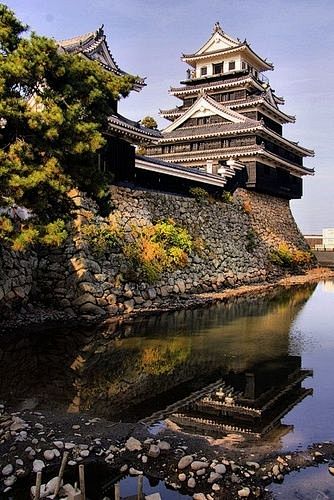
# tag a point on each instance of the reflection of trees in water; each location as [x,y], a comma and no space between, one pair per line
[166,351]
[148,357]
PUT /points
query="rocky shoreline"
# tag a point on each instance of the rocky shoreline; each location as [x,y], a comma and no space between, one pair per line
[33,441]
[204,469]
[37,315]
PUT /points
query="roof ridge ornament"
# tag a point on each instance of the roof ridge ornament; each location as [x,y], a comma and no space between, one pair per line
[99,32]
[217,28]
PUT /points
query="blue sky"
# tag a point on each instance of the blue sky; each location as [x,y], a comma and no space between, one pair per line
[147,38]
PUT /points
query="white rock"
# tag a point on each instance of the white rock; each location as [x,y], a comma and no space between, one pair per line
[244,492]
[43,491]
[9,481]
[38,465]
[18,426]
[49,454]
[135,472]
[56,452]
[200,472]
[163,445]
[214,476]
[197,464]
[72,462]
[75,427]
[331,469]
[84,453]
[153,496]
[220,468]
[154,451]
[39,426]
[7,470]
[20,472]
[144,459]
[215,487]
[59,444]
[19,462]
[182,477]
[185,461]
[191,482]
[69,446]
[199,496]
[133,444]
[51,485]
[69,490]
[275,470]
[254,465]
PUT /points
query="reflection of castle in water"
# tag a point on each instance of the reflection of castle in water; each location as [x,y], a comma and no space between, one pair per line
[252,402]
[143,367]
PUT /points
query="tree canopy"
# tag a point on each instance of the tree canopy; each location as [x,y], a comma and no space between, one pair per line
[54,108]
[149,122]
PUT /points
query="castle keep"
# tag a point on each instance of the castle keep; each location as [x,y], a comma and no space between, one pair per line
[230,123]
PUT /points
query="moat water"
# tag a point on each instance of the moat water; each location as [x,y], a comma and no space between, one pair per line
[270,355]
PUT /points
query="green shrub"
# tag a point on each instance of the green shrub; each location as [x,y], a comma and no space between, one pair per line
[199,194]
[155,249]
[55,233]
[102,237]
[227,197]
[172,235]
[284,257]
[21,234]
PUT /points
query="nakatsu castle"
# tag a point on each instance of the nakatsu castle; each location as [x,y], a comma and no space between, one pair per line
[229,123]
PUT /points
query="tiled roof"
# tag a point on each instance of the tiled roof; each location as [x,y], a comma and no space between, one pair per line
[212,52]
[174,166]
[219,83]
[131,126]
[179,170]
[212,153]
[88,44]
[242,46]
[214,129]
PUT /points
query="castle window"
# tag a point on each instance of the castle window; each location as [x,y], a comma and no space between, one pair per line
[217,68]
[204,71]
[231,65]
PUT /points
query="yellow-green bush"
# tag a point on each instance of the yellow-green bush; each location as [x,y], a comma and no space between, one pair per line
[199,194]
[19,235]
[283,256]
[155,249]
[103,236]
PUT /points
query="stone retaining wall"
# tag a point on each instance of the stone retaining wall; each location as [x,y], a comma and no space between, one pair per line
[238,237]
[17,277]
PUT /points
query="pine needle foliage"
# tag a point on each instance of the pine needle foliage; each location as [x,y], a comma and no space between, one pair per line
[54,110]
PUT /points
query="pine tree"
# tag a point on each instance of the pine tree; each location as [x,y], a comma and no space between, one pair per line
[53,112]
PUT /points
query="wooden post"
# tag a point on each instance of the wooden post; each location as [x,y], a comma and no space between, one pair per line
[38,485]
[117,491]
[140,487]
[82,481]
[61,472]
